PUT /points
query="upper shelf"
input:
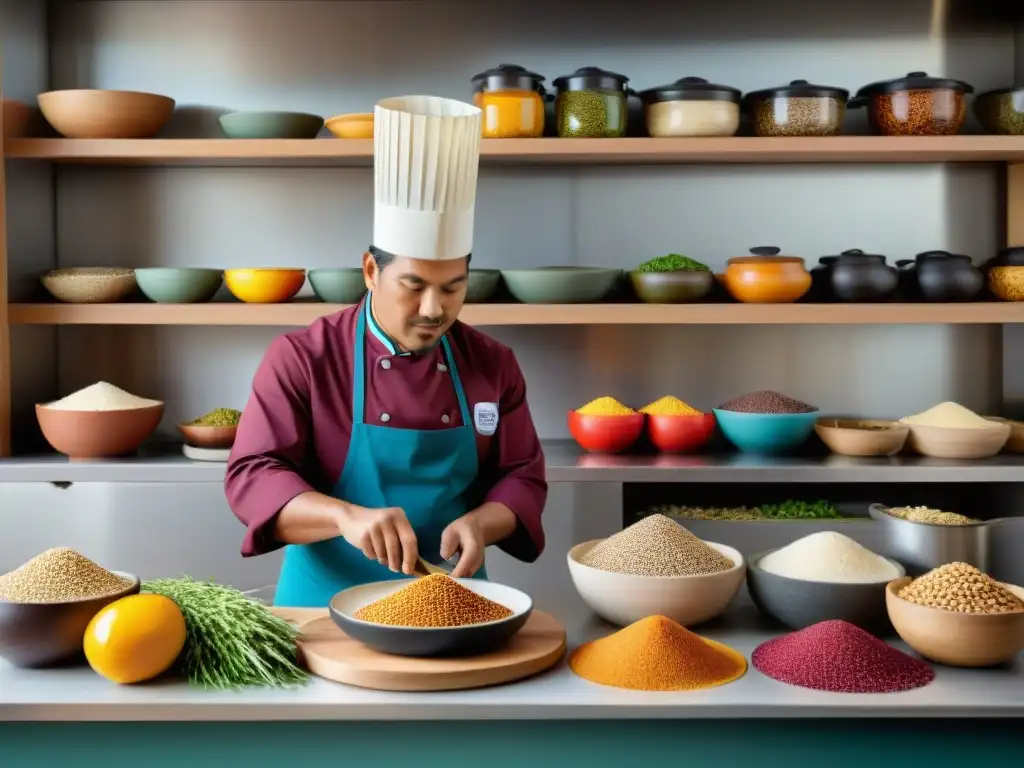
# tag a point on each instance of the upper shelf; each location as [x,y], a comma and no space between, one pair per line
[359,152]
[300,313]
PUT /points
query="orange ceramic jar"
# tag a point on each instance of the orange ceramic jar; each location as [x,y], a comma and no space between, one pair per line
[512,102]
[767,278]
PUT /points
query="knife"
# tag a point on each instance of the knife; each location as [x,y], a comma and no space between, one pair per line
[445,567]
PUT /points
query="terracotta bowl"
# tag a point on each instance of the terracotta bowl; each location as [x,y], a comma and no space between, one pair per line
[93,114]
[952,443]
[90,285]
[862,437]
[208,437]
[47,634]
[956,639]
[1015,443]
[97,434]
[1007,283]
[17,119]
[767,280]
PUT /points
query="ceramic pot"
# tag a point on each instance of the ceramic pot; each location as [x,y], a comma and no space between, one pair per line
[942,276]
[821,280]
[859,276]
[766,277]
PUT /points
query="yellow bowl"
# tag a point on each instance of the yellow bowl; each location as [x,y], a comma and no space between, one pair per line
[358,125]
[270,285]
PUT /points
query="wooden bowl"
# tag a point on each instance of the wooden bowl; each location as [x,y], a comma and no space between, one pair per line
[93,114]
[47,634]
[208,437]
[17,119]
[268,285]
[1015,443]
[956,639]
[953,443]
[862,437]
[358,125]
[97,434]
[90,285]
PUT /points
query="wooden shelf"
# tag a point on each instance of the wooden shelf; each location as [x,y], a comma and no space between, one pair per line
[321,152]
[301,313]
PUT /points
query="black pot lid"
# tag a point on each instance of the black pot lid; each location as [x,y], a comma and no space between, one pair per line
[915,81]
[1012,256]
[940,256]
[1013,89]
[591,78]
[798,89]
[508,76]
[856,254]
[690,89]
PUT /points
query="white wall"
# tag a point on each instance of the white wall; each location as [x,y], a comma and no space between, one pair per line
[333,57]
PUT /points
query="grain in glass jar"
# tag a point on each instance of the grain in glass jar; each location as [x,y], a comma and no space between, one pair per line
[915,105]
[1001,112]
[511,99]
[591,104]
[691,106]
[798,109]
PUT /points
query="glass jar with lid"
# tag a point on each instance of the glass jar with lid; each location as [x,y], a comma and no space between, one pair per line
[512,101]
[691,106]
[798,109]
[591,103]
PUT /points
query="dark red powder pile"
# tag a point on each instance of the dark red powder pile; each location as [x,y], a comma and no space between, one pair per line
[838,656]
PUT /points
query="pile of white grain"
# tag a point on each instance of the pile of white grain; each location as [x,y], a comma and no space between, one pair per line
[101,396]
[831,558]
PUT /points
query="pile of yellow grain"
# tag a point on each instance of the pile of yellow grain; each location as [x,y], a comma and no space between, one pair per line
[433,601]
[605,406]
[669,406]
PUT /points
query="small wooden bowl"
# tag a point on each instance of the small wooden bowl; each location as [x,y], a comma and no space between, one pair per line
[956,639]
[95,114]
[953,443]
[1015,443]
[862,437]
[208,437]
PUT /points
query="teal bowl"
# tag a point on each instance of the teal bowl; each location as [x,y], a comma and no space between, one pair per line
[766,433]
[342,285]
[561,285]
[481,285]
[179,285]
[271,125]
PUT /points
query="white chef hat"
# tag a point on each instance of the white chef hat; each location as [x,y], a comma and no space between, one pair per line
[426,156]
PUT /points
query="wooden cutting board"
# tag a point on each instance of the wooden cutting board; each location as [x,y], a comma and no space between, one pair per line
[329,653]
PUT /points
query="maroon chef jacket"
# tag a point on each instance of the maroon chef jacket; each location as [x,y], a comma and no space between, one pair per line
[295,430]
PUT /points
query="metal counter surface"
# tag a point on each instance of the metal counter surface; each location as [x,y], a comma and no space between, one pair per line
[78,694]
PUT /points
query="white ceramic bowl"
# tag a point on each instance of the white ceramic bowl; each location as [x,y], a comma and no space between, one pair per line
[622,598]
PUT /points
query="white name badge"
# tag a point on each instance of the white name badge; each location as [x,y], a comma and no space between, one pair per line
[485,418]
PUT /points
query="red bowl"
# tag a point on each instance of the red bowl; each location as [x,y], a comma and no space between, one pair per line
[677,433]
[605,434]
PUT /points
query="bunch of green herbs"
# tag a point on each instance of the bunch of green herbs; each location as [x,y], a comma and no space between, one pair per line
[231,640]
[672,262]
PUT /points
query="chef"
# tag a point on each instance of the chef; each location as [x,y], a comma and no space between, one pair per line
[390,430]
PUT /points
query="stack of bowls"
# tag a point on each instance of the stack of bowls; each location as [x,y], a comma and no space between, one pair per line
[622,598]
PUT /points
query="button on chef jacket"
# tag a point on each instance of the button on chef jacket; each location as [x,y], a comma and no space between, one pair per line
[337,408]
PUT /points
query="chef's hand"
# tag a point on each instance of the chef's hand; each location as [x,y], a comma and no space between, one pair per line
[384,535]
[467,537]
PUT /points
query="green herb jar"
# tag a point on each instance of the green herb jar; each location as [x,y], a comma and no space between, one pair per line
[591,103]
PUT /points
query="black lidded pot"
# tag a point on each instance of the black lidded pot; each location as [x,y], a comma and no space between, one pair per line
[821,281]
[863,277]
[941,276]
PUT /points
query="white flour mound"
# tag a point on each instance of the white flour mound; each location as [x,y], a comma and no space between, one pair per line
[101,396]
[829,557]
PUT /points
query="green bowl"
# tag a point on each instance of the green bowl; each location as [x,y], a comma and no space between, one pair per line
[179,285]
[271,125]
[561,285]
[481,285]
[342,285]
[676,287]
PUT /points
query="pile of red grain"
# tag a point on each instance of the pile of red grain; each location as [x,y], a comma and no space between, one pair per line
[840,657]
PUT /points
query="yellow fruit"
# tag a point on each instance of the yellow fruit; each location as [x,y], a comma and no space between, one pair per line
[135,638]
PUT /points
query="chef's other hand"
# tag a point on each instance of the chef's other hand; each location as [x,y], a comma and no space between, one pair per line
[384,535]
[465,536]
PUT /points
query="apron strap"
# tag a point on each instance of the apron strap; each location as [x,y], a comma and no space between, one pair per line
[358,367]
[456,380]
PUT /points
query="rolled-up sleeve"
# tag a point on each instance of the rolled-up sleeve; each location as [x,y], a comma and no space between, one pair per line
[515,467]
[263,471]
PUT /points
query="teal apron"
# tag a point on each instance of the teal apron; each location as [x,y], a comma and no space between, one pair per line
[425,472]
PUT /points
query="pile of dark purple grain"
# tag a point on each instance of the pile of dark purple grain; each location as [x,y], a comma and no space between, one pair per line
[766,401]
[840,657]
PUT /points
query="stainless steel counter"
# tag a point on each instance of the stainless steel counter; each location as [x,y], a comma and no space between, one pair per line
[566,463]
[80,695]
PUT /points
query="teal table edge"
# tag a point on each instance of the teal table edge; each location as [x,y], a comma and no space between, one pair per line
[500,744]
